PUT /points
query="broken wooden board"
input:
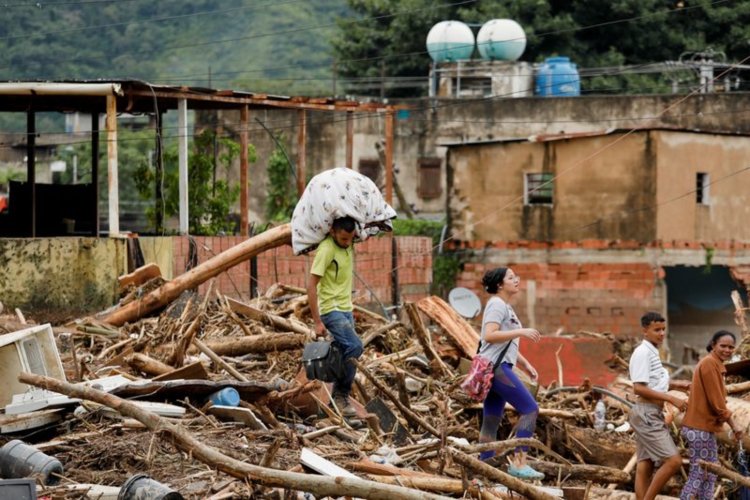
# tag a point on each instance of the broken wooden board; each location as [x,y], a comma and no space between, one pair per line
[388,421]
[25,421]
[312,460]
[173,390]
[456,327]
[236,414]
[193,371]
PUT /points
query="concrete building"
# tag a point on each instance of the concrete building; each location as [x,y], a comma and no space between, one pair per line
[603,226]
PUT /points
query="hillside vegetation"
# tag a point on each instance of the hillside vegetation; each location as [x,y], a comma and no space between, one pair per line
[271,46]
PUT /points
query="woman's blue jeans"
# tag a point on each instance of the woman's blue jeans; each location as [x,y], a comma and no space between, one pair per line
[341,327]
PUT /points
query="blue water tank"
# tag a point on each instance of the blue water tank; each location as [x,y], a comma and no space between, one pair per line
[557,77]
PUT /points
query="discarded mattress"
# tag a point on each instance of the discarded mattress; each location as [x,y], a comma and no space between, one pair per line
[335,193]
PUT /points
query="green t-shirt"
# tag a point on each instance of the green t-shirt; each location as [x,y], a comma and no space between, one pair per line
[335,266]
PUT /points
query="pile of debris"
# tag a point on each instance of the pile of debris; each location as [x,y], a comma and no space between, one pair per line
[209,399]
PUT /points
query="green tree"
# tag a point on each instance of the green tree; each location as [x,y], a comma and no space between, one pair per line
[390,36]
[210,202]
[282,193]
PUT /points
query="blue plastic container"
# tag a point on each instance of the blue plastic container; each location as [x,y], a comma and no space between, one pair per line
[557,77]
[228,396]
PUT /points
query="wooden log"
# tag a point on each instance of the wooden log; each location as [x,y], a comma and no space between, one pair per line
[458,329]
[277,322]
[186,338]
[738,387]
[139,276]
[212,267]
[600,448]
[219,362]
[724,472]
[177,435]
[437,484]
[595,493]
[368,466]
[374,333]
[740,413]
[424,338]
[257,343]
[147,365]
[583,472]
[494,474]
[509,444]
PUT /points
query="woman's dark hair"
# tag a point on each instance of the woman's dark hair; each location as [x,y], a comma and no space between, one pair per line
[717,336]
[493,278]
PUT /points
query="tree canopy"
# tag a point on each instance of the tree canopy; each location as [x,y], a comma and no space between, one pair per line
[389,36]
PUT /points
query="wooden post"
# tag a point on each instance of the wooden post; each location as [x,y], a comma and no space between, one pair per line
[31,165]
[159,175]
[301,139]
[182,150]
[389,119]
[349,139]
[244,144]
[113,191]
[95,171]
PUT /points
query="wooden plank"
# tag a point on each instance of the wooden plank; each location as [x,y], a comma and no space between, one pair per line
[237,414]
[244,166]
[193,371]
[456,327]
[182,154]
[310,459]
[113,191]
[25,421]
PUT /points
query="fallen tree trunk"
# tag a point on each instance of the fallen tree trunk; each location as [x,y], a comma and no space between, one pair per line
[177,435]
[278,322]
[724,472]
[147,365]
[212,267]
[596,473]
[490,472]
[740,413]
[457,328]
[257,343]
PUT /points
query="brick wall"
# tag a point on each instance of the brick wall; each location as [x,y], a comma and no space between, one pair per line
[581,296]
[280,265]
[596,285]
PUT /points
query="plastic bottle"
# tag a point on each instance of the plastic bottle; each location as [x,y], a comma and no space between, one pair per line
[600,416]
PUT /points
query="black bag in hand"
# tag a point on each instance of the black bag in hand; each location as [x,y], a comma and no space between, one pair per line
[323,361]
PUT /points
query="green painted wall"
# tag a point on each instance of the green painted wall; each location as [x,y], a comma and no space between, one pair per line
[61,273]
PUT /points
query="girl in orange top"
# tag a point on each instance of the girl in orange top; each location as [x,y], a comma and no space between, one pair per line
[706,413]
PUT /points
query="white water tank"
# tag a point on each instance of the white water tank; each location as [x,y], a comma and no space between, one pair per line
[501,39]
[450,41]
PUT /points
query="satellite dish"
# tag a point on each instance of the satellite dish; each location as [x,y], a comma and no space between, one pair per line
[465,302]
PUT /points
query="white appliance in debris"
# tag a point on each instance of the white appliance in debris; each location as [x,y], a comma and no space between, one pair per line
[30,350]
